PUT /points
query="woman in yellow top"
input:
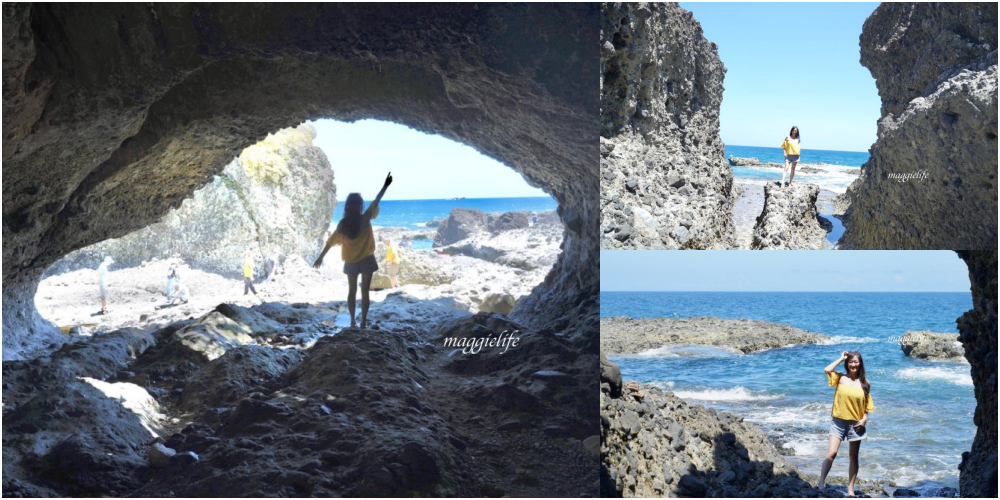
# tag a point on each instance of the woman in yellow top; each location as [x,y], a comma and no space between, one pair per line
[391,261]
[852,400]
[791,147]
[354,234]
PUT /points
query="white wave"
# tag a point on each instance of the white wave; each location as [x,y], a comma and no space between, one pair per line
[737,393]
[666,385]
[788,417]
[955,376]
[420,224]
[809,446]
[688,350]
[847,339]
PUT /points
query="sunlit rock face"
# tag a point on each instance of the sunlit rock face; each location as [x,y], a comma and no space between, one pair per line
[113,114]
[931,181]
[978,333]
[665,183]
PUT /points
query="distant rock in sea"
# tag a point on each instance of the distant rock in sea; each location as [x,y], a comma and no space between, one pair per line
[623,335]
[933,346]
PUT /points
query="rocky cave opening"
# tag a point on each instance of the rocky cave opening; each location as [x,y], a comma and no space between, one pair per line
[116,114]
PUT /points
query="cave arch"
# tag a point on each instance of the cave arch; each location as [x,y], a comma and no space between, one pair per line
[115,113]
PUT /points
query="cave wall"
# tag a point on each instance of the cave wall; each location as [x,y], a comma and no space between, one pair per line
[665,183]
[115,113]
[978,333]
[935,67]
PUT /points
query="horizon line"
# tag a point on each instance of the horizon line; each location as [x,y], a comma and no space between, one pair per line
[464,198]
[804,149]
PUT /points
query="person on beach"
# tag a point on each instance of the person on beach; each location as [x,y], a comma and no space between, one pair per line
[405,243]
[181,293]
[172,278]
[791,147]
[852,401]
[354,235]
[248,273]
[272,266]
[102,282]
[391,261]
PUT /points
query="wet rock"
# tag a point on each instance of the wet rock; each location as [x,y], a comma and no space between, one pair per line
[932,346]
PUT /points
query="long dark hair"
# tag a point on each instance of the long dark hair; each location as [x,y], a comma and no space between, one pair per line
[798,135]
[350,223]
[861,372]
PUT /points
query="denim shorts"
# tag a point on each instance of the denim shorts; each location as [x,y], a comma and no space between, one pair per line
[791,158]
[844,430]
[367,265]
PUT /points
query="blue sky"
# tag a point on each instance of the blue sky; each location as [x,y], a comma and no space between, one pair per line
[423,166]
[793,64]
[784,271]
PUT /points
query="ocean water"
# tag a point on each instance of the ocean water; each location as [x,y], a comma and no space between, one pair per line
[923,417]
[833,178]
[415,214]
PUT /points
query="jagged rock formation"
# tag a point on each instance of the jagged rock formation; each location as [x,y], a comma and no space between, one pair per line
[931,181]
[524,248]
[624,335]
[790,220]
[736,161]
[272,198]
[460,224]
[114,114]
[932,346]
[653,444]
[978,333]
[665,182]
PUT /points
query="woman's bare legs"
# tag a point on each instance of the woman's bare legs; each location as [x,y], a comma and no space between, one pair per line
[831,453]
[852,471]
[791,177]
[352,294]
[366,284]
[783,172]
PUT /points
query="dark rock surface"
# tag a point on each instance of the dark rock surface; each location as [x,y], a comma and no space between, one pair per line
[508,221]
[665,183]
[790,220]
[978,333]
[932,346]
[269,200]
[653,444]
[623,335]
[113,114]
[935,67]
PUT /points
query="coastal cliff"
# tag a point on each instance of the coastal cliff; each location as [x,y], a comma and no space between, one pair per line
[665,183]
[931,180]
[978,333]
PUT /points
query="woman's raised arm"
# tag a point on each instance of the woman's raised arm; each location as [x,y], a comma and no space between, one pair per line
[388,180]
[833,366]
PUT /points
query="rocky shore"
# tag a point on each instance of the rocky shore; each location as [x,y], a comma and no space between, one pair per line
[623,335]
[790,220]
[933,346]
[736,161]
[654,444]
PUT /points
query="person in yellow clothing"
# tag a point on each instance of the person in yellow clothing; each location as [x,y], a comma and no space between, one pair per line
[248,273]
[354,235]
[852,400]
[391,260]
[791,147]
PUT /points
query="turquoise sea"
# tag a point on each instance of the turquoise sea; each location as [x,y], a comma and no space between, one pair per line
[833,178]
[415,214]
[923,417]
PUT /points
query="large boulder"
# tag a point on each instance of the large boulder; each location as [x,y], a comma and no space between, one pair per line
[790,220]
[931,180]
[665,183]
[460,224]
[508,221]
[274,197]
[932,346]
